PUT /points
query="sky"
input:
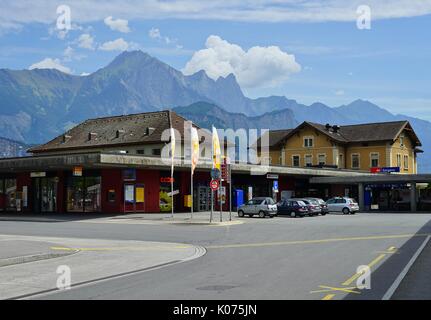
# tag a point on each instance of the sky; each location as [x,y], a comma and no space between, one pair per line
[332,51]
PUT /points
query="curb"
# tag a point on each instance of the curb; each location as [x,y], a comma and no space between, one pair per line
[32,258]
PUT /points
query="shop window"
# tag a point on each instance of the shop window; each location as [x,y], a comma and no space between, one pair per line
[406,162]
[308,160]
[308,142]
[295,161]
[2,196]
[374,160]
[10,194]
[83,194]
[355,161]
[322,159]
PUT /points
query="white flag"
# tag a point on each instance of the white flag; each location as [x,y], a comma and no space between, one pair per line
[172,151]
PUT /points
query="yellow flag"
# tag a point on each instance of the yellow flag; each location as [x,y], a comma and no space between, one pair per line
[216,150]
[195,148]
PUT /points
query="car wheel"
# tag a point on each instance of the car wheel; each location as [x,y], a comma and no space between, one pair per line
[261,214]
[323,214]
[293,214]
[346,211]
[240,213]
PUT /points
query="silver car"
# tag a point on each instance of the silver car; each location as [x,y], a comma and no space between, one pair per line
[342,204]
[262,206]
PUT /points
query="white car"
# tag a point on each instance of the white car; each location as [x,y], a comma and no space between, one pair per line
[262,206]
[344,205]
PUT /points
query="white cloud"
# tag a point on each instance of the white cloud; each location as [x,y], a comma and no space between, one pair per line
[256,67]
[49,63]
[154,33]
[20,12]
[115,45]
[120,25]
[85,74]
[339,93]
[86,41]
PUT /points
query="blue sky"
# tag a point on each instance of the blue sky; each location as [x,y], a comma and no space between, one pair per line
[306,50]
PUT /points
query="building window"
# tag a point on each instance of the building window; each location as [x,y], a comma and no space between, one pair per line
[140,152]
[402,140]
[406,162]
[341,161]
[374,160]
[295,161]
[156,152]
[322,159]
[308,160]
[399,160]
[308,142]
[355,161]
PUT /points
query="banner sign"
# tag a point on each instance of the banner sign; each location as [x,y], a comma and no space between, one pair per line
[385,170]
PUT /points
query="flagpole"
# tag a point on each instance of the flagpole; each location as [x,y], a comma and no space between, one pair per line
[191,188]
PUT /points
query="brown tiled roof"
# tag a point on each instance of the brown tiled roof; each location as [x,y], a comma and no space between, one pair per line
[275,137]
[369,132]
[143,128]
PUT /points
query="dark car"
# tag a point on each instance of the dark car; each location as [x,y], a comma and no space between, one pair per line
[313,207]
[293,208]
[323,205]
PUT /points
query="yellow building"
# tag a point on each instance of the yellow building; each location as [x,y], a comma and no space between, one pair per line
[358,147]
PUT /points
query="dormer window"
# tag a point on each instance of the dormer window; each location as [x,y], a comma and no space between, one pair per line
[92,136]
[66,138]
[119,133]
[149,130]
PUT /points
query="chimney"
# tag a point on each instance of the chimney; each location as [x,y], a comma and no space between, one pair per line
[327,126]
[92,136]
[335,128]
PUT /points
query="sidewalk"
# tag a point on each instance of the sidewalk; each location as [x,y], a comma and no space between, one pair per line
[92,260]
[23,251]
[199,218]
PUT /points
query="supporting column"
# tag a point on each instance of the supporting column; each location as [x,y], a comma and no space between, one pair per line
[413,196]
[361,197]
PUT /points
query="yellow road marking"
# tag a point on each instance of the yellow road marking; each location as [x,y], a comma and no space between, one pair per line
[349,281]
[281,243]
[329,289]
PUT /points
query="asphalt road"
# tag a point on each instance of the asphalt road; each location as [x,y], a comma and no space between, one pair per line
[280,258]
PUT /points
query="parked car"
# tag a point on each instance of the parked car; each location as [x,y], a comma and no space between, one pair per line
[262,206]
[343,204]
[293,208]
[323,205]
[313,207]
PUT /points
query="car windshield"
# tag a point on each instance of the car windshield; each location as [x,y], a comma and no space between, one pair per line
[301,203]
[270,201]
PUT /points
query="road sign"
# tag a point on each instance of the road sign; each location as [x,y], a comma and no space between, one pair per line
[214,184]
[215,174]
[275,186]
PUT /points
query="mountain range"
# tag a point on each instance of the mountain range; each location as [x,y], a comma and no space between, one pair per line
[36,105]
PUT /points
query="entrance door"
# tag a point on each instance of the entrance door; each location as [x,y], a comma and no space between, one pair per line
[44,195]
[204,198]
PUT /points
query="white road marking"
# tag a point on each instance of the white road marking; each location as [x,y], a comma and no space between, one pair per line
[406,269]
